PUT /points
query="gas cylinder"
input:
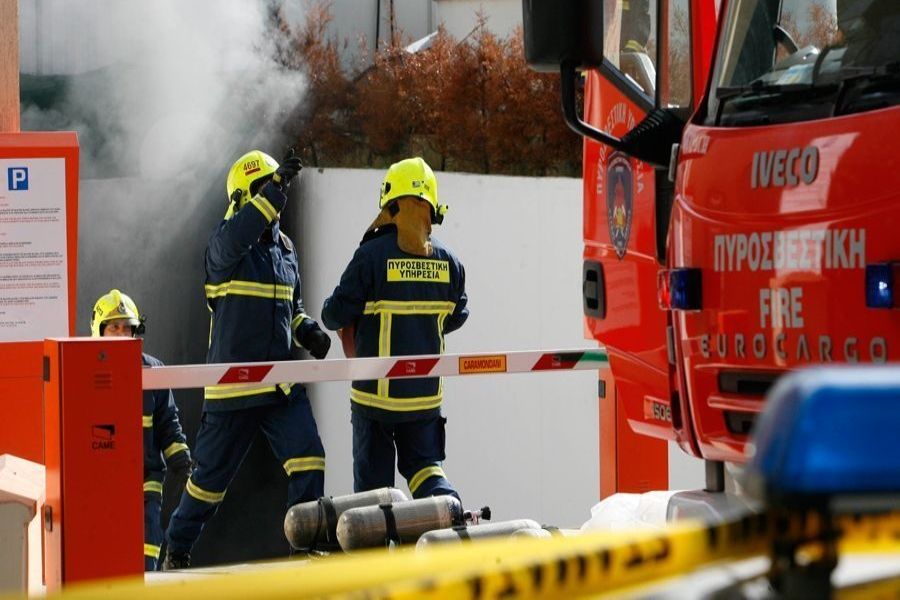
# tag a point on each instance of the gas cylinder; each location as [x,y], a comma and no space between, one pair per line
[400,523]
[311,524]
[475,532]
[532,533]
[546,531]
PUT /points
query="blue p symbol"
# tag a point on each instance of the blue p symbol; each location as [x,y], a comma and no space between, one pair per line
[17,178]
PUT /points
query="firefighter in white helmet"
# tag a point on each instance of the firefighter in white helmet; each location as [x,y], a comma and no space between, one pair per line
[253,293]
[401,293]
[115,314]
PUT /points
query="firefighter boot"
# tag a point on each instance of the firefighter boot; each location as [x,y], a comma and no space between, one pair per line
[176,560]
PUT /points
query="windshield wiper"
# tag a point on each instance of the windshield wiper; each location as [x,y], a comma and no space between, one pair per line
[887,70]
[757,90]
[757,87]
[852,85]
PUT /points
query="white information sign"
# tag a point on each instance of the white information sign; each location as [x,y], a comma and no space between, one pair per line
[33,274]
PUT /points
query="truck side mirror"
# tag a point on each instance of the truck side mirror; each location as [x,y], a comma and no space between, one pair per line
[563,31]
[568,35]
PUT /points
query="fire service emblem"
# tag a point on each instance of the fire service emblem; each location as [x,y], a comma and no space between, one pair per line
[619,200]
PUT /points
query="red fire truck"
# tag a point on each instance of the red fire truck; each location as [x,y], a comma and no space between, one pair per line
[741,197]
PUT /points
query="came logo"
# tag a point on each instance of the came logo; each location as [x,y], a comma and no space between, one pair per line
[104,437]
[17,179]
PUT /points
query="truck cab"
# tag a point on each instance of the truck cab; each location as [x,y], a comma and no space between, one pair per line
[787,194]
[740,195]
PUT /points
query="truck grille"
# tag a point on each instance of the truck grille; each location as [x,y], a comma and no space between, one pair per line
[746,383]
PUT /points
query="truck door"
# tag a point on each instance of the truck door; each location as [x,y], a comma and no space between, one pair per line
[627,204]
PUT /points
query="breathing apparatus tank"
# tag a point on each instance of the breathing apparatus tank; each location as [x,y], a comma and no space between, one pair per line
[309,525]
[546,531]
[532,533]
[398,523]
[457,535]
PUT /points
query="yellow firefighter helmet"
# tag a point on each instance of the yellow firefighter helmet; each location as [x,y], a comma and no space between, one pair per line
[246,176]
[412,177]
[115,305]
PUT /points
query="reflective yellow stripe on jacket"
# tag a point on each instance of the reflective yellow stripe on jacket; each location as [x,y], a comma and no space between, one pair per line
[238,287]
[387,309]
[385,402]
[236,390]
[384,349]
[174,448]
[262,204]
[295,323]
[240,390]
[441,320]
[409,307]
[147,420]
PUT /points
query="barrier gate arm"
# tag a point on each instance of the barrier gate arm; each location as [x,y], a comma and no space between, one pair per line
[316,371]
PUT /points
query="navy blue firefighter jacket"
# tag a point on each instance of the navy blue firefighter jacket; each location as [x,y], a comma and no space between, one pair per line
[401,304]
[253,293]
[163,438]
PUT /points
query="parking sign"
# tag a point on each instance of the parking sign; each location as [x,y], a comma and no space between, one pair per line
[17,179]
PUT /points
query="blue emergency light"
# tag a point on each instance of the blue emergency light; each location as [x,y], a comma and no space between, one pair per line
[830,432]
[880,285]
[685,289]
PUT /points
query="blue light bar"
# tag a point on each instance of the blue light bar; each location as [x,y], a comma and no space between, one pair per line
[830,432]
[880,285]
[685,289]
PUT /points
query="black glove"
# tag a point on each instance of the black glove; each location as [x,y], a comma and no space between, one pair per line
[317,342]
[290,167]
[180,464]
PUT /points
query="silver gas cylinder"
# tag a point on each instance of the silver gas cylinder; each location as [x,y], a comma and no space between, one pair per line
[311,524]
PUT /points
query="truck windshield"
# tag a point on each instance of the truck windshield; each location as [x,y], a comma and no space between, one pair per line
[794,60]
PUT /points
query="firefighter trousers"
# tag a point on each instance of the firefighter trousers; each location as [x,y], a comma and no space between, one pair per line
[223,441]
[153,534]
[419,450]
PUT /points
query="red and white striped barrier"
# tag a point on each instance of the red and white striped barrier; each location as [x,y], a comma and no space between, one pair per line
[313,371]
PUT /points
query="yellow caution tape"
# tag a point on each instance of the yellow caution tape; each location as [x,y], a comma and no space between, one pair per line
[589,564]
[870,534]
[597,561]
[884,589]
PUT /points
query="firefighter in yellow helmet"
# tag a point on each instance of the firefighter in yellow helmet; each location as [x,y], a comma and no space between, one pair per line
[635,25]
[253,292]
[401,293]
[115,314]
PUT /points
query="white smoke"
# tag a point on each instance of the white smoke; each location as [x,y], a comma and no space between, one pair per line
[167,85]
[164,95]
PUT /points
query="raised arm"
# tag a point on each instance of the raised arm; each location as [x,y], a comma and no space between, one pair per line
[234,237]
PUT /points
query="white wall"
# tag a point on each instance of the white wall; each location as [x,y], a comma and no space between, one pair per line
[526,445]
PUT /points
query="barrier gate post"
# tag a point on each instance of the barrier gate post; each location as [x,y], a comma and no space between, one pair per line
[93,517]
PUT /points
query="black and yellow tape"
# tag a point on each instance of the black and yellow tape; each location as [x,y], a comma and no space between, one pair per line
[883,589]
[590,564]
